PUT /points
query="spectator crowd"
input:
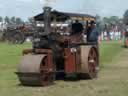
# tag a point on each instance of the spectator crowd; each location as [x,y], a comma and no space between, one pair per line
[112,33]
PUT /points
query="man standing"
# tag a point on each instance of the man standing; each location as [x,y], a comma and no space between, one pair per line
[93,34]
[77,27]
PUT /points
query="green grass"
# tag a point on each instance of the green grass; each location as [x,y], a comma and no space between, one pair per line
[10,56]
[109,50]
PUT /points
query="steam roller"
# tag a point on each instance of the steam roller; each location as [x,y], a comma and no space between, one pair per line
[57,55]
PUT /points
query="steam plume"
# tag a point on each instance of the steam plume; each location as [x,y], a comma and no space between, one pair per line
[47,2]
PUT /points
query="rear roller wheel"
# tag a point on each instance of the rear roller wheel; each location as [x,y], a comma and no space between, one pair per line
[92,63]
[90,60]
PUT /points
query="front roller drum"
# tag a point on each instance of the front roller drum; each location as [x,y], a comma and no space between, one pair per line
[90,60]
[33,79]
[35,70]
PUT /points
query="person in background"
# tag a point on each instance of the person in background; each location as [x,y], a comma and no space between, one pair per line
[92,34]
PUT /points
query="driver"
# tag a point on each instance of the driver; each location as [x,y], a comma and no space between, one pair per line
[77,27]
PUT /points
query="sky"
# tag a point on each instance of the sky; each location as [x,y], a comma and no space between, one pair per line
[29,8]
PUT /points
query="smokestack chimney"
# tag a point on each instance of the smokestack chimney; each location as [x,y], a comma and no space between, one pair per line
[47,19]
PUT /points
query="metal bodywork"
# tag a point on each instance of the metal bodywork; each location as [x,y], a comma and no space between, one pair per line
[27,67]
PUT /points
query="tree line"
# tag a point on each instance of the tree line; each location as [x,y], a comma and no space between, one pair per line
[113,20]
[14,20]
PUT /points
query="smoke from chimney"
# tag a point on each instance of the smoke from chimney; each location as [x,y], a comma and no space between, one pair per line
[47,2]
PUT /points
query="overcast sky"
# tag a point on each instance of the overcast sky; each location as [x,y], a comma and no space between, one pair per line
[29,8]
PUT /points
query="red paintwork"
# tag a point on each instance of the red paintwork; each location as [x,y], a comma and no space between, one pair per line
[70,64]
[48,61]
[47,68]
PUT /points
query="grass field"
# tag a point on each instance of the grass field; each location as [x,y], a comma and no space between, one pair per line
[103,86]
[109,50]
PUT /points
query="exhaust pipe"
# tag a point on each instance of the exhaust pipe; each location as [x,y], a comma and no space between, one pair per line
[47,19]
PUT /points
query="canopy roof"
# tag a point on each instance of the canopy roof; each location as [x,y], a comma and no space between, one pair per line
[62,16]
